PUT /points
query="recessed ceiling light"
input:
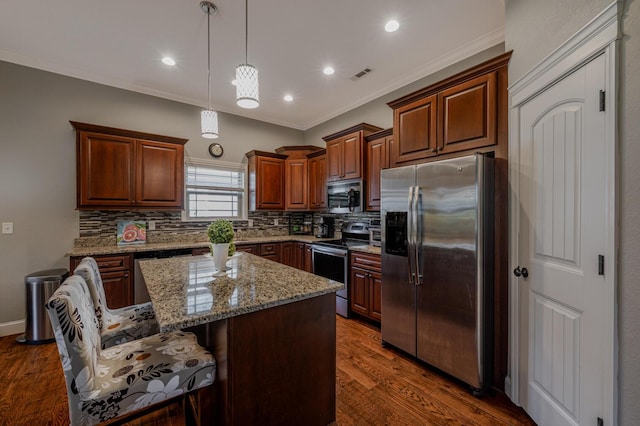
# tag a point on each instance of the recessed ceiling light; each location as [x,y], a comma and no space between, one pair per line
[328,70]
[168,61]
[288,98]
[391,26]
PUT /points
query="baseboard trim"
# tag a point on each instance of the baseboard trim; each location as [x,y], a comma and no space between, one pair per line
[12,327]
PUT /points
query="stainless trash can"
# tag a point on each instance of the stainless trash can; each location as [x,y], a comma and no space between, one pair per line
[40,286]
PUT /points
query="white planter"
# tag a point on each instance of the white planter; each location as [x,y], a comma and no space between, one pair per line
[219,254]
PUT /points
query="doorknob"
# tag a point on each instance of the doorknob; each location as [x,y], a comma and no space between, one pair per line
[521,272]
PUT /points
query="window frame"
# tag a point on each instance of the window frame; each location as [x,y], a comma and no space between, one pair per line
[220,165]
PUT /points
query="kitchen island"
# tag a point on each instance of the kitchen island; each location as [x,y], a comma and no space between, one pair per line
[271,328]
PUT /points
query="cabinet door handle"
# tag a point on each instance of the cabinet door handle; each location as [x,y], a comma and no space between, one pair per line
[126,275]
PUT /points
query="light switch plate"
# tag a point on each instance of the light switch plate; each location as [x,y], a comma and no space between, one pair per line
[275,222]
[152,225]
[250,223]
[7,227]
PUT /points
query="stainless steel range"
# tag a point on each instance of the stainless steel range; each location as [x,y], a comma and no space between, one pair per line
[331,259]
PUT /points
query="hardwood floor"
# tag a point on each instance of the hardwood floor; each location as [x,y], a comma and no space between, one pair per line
[375,386]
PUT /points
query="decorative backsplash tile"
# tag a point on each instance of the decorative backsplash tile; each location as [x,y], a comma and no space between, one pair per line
[98,227]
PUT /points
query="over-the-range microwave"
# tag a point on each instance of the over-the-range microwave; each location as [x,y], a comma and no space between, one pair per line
[345,196]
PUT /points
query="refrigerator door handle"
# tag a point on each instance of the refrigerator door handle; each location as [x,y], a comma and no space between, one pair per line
[417,237]
[410,238]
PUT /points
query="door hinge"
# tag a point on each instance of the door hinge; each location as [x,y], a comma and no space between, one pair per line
[600,264]
[600,422]
[602,99]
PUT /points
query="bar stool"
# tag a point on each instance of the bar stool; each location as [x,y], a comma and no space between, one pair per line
[116,325]
[123,379]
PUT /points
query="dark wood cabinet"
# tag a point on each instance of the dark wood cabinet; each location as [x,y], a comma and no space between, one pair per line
[159,174]
[359,291]
[247,248]
[266,180]
[280,180]
[344,152]
[292,253]
[365,285]
[270,251]
[287,256]
[116,274]
[468,113]
[459,114]
[124,169]
[416,131]
[298,255]
[297,184]
[378,158]
[318,180]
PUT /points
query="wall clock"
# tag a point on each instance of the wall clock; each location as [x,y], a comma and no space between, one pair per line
[215,149]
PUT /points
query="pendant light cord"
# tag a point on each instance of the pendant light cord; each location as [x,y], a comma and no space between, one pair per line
[246,31]
[209,55]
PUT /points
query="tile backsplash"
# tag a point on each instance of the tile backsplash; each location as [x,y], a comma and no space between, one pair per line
[98,227]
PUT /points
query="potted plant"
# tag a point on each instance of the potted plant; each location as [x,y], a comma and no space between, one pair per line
[220,233]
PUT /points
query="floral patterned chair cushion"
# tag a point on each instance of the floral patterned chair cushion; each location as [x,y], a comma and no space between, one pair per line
[104,384]
[116,325]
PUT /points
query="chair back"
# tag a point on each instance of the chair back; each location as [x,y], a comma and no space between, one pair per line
[75,326]
[88,269]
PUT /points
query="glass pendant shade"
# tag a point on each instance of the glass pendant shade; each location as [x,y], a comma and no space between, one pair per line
[247,90]
[209,123]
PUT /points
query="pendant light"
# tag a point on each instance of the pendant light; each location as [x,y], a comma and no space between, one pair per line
[247,89]
[208,117]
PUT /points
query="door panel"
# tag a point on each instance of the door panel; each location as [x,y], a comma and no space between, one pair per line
[447,322]
[398,325]
[562,232]
[160,174]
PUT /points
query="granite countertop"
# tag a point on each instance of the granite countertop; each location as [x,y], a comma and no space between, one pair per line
[367,249]
[135,248]
[185,293]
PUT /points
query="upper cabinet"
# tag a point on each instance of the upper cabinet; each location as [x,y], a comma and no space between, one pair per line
[468,114]
[296,181]
[458,114]
[124,169]
[266,180]
[282,180]
[378,157]
[345,152]
[318,180]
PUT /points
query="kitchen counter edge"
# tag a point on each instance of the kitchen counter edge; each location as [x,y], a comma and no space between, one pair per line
[137,248]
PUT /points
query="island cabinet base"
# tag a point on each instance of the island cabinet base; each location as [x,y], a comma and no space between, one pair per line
[276,366]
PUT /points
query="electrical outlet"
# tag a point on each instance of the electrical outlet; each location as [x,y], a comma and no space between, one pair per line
[152,225]
[7,227]
[275,222]
[250,223]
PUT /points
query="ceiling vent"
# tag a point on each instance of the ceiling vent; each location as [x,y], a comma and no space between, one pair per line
[361,74]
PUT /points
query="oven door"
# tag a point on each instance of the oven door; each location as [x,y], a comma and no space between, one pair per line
[333,263]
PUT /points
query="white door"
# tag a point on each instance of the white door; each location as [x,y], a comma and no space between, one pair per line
[564,325]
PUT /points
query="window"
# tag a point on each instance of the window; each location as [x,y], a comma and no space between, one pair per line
[214,190]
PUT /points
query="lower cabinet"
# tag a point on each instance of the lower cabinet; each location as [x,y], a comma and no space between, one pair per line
[248,248]
[115,271]
[270,251]
[287,255]
[366,285]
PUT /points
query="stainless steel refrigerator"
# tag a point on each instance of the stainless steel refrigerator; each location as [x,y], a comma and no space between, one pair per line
[437,257]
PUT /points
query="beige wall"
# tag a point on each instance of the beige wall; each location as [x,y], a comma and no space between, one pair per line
[533,30]
[37,161]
